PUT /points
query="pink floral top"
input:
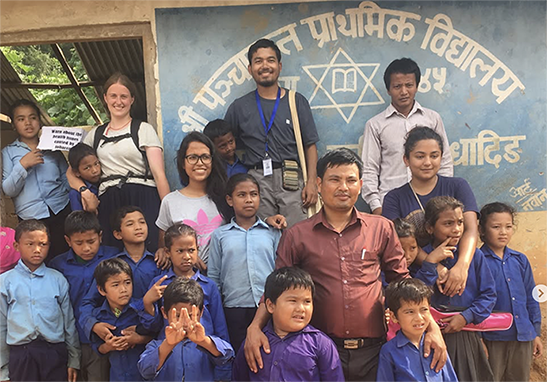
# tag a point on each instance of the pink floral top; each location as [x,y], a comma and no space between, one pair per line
[9,256]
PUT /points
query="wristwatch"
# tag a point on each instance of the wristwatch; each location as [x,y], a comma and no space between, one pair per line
[83,188]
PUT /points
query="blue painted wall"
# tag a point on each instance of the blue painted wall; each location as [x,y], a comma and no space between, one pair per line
[202,68]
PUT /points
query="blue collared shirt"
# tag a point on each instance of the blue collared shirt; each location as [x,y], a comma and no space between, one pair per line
[123,364]
[38,189]
[401,360]
[240,261]
[76,198]
[307,355]
[144,271]
[427,272]
[36,305]
[235,168]
[212,319]
[80,278]
[479,295]
[514,285]
[187,361]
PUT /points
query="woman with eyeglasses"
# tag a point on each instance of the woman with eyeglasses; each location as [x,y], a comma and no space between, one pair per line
[127,178]
[201,204]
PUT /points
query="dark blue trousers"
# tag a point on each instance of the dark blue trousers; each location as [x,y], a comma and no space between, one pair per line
[38,361]
[237,320]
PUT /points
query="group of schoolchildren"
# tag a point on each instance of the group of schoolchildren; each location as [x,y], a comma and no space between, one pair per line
[119,316]
[499,279]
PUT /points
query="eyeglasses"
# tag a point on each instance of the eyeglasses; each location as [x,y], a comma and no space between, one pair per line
[204,158]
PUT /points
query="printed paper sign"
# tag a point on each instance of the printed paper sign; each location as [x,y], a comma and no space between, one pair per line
[59,138]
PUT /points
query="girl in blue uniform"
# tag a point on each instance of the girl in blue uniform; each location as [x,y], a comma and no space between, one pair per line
[444,223]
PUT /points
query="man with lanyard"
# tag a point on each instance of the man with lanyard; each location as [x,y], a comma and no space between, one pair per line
[263,124]
[344,251]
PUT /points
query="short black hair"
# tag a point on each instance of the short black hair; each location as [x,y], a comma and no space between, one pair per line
[110,267]
[421,133]
[404,228]
[118,215]
[403,66]
[81,221]
[406,290]
[435,206]
[23,102]
[263,43]
[493,208]
[183,290]
[217,128]
[30,226]
[286,278]
[176,230]
[79,152]
[341,156]
[240,178]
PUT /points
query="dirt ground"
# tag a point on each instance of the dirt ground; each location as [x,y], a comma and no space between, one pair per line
[539,366]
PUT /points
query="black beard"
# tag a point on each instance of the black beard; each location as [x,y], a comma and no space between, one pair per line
[267,84]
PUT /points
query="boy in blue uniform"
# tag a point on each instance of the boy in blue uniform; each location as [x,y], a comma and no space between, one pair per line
[187,352]
[39,337]
[221,133]
[123,346]
[298,351]
[83,235]
[246,246]
[130,227]
[401,358]
[85,164]
[510,351]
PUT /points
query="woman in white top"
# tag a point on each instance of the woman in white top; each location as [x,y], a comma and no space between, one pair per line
[127,179]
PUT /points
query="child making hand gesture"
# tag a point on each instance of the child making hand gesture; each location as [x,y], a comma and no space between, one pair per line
[187,352]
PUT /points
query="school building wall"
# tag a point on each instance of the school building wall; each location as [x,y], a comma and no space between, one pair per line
[493,104]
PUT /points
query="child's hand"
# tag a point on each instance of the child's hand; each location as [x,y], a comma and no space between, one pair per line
[454,323]
[443,251]
[72,374]
[442,273]
[133,338]
[162,259]
[193,328]
[277,221]
[113,343]
[32,158]
[154,294]
[103,329]
[485,348]
[174,333]
[387,315]
[538,347]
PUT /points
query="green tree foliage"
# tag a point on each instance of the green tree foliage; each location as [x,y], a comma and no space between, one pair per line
[38,64]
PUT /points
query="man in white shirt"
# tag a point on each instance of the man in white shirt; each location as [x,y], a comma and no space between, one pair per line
[385,134]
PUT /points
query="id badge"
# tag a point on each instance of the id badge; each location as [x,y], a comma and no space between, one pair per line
[267,166]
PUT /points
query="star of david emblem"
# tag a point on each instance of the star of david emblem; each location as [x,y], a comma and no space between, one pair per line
[350,85]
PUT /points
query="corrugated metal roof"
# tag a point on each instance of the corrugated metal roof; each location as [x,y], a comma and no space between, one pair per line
[100,59]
